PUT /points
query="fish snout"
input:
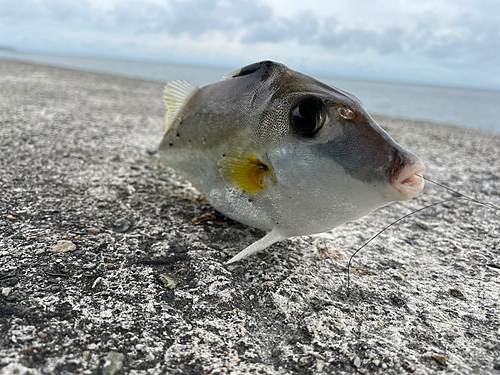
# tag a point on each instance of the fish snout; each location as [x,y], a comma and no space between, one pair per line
[405,175]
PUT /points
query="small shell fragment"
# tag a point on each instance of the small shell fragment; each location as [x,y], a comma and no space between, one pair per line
[440,358]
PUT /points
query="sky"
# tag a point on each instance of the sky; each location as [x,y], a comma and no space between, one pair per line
[444,42]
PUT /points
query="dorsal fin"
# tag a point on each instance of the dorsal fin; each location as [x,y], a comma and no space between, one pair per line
[175,96]
[252,68]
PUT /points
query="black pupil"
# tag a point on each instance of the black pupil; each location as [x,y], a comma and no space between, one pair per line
[304,118]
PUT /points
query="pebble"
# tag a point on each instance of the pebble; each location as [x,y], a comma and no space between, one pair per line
[93,230]
[42,335]
[357,362]
[10,217]
[303,361]
[16,296]
[110,266]
[397,300]
[122,224]
[456,293]
[168,281]
[12,281]
[440,358]
[320,366]
[130,189]
[6,291]
[4,253]
[376,362]
[63,246]
[113,363]
[8,273]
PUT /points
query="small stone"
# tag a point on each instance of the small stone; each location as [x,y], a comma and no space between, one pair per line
[440,358]
[12,281]
[16,296]
[303,361]
[29,349]
[63,246]
[42,335]
[110,266]
[8,273]
[4,253]
[6,291]
[130,189]
[93,230]
[122,224]
[456,293]
[10,217]
[113,363]
[376,362]
[86,354]
[345,308]
[168,281]
[320,366]
[357,362]
[398,300]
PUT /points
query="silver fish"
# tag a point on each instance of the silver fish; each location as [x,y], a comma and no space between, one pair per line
[280,151]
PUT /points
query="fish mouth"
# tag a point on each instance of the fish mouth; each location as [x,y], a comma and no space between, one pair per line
[409,181]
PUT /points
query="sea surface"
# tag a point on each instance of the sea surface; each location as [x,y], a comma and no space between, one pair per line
[475,108]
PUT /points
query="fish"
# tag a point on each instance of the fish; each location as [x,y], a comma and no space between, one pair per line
[280,151]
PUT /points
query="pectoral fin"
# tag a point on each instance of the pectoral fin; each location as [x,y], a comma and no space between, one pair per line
[270,238]
[248,174]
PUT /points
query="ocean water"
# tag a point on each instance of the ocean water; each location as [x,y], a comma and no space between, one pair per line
[475,108]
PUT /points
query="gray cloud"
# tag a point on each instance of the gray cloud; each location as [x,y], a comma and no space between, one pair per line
[476,40]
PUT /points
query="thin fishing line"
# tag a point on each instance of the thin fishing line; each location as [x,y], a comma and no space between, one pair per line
[456,192]
[387,227]
[461,197]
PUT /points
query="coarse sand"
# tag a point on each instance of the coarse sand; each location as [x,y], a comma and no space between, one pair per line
[112,263]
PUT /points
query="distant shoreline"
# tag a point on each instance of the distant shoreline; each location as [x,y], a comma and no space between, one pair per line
[439,104]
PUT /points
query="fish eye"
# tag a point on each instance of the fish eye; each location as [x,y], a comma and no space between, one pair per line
[307,118]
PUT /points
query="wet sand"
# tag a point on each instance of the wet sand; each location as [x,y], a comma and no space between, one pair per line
[140,282]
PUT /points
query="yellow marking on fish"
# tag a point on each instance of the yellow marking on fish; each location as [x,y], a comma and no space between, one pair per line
[248,174]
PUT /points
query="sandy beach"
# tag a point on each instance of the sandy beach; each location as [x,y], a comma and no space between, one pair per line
[112,263]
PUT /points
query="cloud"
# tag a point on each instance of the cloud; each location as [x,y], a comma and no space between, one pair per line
[466,37]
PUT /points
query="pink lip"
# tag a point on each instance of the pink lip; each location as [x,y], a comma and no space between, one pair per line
[408,183]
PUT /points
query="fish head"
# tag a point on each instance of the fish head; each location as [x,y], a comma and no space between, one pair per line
[328,155]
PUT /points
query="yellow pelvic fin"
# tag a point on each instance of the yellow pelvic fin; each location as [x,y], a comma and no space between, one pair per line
[175,96]
[249,174]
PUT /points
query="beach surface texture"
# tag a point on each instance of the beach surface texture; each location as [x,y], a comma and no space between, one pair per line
[112,263]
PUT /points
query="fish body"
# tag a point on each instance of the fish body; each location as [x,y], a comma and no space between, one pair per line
[280,151]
